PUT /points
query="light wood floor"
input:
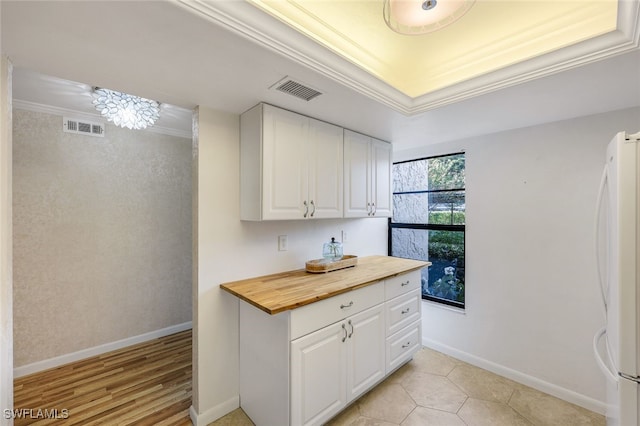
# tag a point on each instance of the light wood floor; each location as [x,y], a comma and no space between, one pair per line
[145,384]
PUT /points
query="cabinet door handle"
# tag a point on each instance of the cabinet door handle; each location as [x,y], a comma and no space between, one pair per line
[351,334]
[345,333]
[405,346]
[368,209]
[347,306]
[306,208]
[314,208]
[405,283]
[405,311]
[374,209]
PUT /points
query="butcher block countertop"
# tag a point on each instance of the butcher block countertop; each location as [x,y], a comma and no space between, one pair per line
[289,290]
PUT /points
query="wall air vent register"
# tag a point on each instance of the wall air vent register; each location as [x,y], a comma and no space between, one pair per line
[83,127]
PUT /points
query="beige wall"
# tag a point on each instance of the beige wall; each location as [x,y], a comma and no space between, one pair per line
[102,236]
[229,249]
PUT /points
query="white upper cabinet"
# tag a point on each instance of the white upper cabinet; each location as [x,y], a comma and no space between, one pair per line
[367,176]
[381,176]
[285,176]
[290,166]
[325,169]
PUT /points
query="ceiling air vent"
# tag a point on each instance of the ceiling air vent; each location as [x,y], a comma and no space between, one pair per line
[295,88]
[83,127]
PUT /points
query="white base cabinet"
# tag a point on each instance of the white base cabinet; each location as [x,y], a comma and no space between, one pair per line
[403,318]
[302,367]
[365,351]
[334,365]
[318,373]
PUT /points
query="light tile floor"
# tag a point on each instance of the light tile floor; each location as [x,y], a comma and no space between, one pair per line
[435,389]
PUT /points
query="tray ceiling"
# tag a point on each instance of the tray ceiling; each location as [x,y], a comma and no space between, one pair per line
[491,36]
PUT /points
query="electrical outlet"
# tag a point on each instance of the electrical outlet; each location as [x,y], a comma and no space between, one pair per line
[344,236]
[283,243]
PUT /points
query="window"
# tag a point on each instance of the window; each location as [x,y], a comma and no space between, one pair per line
[428,223]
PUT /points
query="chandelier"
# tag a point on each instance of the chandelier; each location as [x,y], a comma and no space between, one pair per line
[417,17]
[126,110]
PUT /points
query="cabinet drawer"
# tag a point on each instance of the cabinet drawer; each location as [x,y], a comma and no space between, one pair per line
[320,314]
[402,311]
[401,284]
[402,345]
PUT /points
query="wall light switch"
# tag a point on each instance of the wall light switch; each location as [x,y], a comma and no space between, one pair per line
[344,237]
[283,243]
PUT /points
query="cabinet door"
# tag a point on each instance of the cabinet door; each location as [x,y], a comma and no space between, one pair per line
[366,350]
[318,376]
[381,178]
[285,152]
[357,175]
[325,170]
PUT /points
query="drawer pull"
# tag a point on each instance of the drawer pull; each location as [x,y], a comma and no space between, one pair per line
[345,333]
[403,346]
[347,306]
[405,311]
[405,283]
[351,333]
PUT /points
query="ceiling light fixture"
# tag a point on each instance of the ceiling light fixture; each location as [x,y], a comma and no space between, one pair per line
[417,17]
[126,110]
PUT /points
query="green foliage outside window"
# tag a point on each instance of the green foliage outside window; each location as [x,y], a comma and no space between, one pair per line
[446,172]
[446,245]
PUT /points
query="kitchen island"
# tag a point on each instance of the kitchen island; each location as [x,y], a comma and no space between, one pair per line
[310,344]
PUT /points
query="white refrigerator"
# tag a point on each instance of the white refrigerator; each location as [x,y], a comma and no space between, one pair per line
[617,344]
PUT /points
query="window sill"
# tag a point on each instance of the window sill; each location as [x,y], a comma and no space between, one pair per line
[460,311]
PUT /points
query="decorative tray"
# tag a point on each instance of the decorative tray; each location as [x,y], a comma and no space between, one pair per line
[320,266]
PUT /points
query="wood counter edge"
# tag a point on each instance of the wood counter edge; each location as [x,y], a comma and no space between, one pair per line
[319,298]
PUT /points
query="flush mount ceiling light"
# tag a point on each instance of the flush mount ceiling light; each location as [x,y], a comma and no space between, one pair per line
[126,110]
[417,17]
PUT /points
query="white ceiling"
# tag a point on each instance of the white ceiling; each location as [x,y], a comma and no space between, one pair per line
[225,55]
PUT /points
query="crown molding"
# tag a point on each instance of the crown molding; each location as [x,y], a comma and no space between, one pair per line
[95,118]
[253,24]
[54,110]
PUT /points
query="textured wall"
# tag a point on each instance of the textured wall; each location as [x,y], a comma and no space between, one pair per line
[102,235]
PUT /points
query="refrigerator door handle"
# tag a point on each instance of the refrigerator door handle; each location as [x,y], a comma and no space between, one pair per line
[601,281]
[603,366]
[629,377]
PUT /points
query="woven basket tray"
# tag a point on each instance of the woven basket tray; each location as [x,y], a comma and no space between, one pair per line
[320,266]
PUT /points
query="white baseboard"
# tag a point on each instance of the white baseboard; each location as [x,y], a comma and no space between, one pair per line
[97,350]
[533,382]
[214,413]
